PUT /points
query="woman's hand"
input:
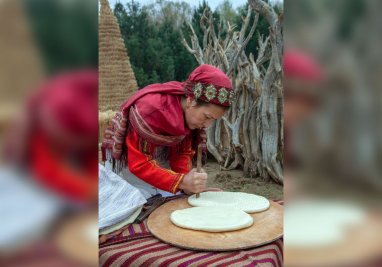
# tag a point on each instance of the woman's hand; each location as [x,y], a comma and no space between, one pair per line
[194,182]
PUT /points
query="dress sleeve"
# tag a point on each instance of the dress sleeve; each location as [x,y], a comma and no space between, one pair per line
[181,156]
[142,165]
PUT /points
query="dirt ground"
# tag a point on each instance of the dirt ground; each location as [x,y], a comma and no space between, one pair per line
[234,181]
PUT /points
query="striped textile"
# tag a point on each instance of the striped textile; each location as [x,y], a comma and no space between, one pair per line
[149,251]
[134,246]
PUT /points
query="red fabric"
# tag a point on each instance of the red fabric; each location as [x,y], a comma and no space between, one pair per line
[163,113]
[151,252]
[146,132]
[300,65]
[63,139]
[210,75]
[206,75]
[153,98]
[181,156]
[72,100]
[52,170]
[172,88]
[146,168]
[114,140]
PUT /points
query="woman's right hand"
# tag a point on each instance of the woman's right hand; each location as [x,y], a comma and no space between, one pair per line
[194,182]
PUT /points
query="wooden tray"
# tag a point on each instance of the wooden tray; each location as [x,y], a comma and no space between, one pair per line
[74,242]
[267,227]
[361,245]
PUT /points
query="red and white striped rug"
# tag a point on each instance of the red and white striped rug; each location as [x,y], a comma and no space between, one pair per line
[133,245]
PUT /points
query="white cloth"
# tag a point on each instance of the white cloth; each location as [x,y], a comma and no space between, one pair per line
[118,199]
[26,210]
[114,227]
[147,190]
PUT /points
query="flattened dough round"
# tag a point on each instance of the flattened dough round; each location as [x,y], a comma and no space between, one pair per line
[211,219]
[246,202]
[320,223]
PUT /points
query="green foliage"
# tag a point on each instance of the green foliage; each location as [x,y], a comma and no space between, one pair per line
[261,29]
[153,33]
[66,33]
[227,12]
[197,15]
[154,45]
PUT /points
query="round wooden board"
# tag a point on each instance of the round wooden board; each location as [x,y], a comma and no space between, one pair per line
[267,227]
[74,241]
[361,245]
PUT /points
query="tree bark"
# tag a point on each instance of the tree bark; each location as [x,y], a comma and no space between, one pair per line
[250,134]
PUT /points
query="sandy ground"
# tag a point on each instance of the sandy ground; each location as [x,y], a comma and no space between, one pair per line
[234,181]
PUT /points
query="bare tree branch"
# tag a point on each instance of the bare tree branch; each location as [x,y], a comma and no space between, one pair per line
[250,133]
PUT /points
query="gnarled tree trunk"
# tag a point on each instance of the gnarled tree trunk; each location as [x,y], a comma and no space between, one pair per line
[250,134]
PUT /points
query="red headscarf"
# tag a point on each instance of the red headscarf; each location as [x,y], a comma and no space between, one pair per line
[71,99]
[207,76]
[204,74]
[300,65]
[211,85]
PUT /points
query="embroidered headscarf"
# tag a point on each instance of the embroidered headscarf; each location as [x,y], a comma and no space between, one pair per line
[206,83]
[210,84]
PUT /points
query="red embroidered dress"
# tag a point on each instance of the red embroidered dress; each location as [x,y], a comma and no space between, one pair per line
[163,115]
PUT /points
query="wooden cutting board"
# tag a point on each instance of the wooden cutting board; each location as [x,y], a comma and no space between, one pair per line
[77,238]
[267,227]
[360,245]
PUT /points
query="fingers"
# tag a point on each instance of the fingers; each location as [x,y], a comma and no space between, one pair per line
[200,179]
[194,181]
[185,191]
[201,176]
[199,182]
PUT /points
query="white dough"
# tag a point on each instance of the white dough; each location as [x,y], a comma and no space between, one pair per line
[318,223]
[211,219]
[246,202]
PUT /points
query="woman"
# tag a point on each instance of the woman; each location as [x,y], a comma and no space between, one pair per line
[157,130]
[55,139]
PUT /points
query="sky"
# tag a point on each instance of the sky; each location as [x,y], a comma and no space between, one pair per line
[193,3]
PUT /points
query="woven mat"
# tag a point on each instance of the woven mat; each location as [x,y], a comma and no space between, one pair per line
[133,245]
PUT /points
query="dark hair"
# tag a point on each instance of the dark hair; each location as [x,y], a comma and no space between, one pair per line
[201,103]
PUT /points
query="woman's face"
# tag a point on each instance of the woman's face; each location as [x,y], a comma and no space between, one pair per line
[201,116]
